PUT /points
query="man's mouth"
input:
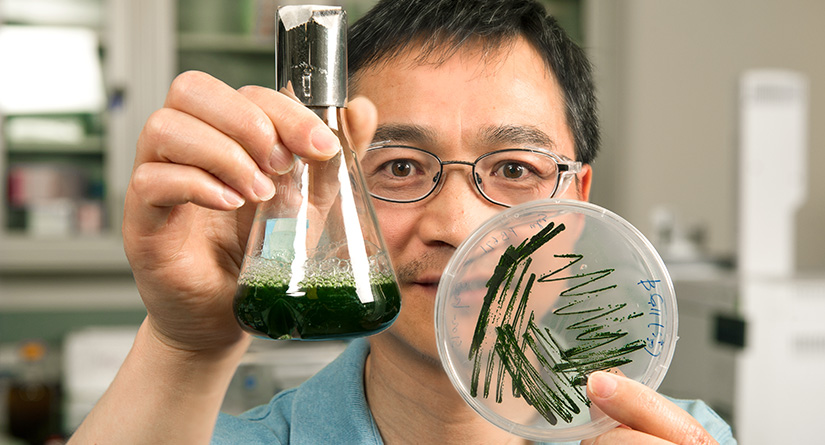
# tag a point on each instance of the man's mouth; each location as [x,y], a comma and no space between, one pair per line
[427,282]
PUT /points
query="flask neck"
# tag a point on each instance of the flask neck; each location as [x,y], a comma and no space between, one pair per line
[311,53]
[331,116]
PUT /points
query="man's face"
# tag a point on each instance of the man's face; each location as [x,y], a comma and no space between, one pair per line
[457,110]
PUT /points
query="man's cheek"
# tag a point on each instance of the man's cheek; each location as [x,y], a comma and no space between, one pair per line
[393,224]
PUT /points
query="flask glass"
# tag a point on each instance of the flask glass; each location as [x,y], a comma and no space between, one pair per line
[315,265]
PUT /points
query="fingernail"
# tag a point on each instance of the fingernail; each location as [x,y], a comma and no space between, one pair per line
[281,160]
[324,141]
[602,384]
[232,198]
[263,187]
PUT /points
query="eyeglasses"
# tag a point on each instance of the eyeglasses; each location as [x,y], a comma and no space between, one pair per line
[404,174]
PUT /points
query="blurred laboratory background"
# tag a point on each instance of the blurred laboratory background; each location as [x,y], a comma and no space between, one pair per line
[710,147]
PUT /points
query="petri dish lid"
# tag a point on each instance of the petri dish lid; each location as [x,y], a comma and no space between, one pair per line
[540,296]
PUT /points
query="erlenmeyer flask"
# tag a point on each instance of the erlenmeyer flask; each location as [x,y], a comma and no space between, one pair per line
[315,265]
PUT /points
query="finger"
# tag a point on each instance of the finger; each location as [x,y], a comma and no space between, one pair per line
[156,188]
[298,129]
[362,119]
[224,108]
[642,409]
[173,136]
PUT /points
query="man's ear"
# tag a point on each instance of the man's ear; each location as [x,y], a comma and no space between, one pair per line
[583,180]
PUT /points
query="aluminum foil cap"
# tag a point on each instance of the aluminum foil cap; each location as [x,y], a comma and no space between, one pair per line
[311,53]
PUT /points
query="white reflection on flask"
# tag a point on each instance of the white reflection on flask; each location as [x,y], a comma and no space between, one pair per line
[299,245]
[357,249]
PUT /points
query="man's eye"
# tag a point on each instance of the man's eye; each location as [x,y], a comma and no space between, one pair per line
[401,168]
[512,170]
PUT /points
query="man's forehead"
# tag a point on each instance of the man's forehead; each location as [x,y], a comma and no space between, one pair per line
[492,135]
[483,54]
[512,103]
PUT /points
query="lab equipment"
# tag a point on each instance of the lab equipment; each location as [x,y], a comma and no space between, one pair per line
[541,296]
[315,265]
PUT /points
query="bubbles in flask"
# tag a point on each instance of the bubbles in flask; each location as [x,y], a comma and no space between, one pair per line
[324,305]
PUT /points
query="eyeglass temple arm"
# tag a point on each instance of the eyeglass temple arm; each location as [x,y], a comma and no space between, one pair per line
[570,167]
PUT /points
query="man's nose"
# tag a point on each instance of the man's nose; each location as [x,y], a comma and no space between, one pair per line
[457,208]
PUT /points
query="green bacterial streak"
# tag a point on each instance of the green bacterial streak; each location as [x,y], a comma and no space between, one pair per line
[548,402]
[547,376]
[504,271]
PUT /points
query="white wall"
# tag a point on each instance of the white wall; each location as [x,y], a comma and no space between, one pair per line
[668,74]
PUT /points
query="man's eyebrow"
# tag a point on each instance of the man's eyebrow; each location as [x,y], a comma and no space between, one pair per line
[409,133]
[516,135]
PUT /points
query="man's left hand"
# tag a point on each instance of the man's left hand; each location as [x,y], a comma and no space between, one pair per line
[646,416]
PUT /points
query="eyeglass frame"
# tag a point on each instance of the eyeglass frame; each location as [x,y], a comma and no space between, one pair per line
[566,170]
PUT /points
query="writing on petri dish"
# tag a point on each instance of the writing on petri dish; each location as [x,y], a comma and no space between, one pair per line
[656,340]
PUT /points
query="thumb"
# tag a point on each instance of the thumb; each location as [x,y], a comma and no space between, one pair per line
[642,409]
[362,119]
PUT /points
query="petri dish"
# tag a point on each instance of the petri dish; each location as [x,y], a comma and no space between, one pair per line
[539,297]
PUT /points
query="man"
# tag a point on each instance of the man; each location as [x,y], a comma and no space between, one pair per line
[458,79]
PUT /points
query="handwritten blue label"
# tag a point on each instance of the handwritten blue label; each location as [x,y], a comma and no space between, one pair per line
[655,341]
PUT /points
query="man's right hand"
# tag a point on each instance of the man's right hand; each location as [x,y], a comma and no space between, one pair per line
[203,162]
[201,166]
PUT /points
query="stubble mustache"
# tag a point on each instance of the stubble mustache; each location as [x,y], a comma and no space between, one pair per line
[431,260]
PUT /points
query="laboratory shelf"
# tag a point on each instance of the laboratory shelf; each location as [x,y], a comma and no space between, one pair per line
[21,253]
[225,42]
[88,145]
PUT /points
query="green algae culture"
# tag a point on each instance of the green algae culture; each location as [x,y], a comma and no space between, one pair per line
[537,299]
[322,306]
[548,375]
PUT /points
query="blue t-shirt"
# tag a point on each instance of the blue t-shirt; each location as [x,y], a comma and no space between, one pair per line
[331,407]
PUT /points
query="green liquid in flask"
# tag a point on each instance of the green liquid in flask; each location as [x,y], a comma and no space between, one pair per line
[327,310]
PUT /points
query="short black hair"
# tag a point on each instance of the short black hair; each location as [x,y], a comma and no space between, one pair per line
[441,27]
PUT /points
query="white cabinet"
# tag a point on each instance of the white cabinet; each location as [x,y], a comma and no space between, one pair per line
[65,170]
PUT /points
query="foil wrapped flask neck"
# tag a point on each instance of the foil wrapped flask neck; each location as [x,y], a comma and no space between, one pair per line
[311,54]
